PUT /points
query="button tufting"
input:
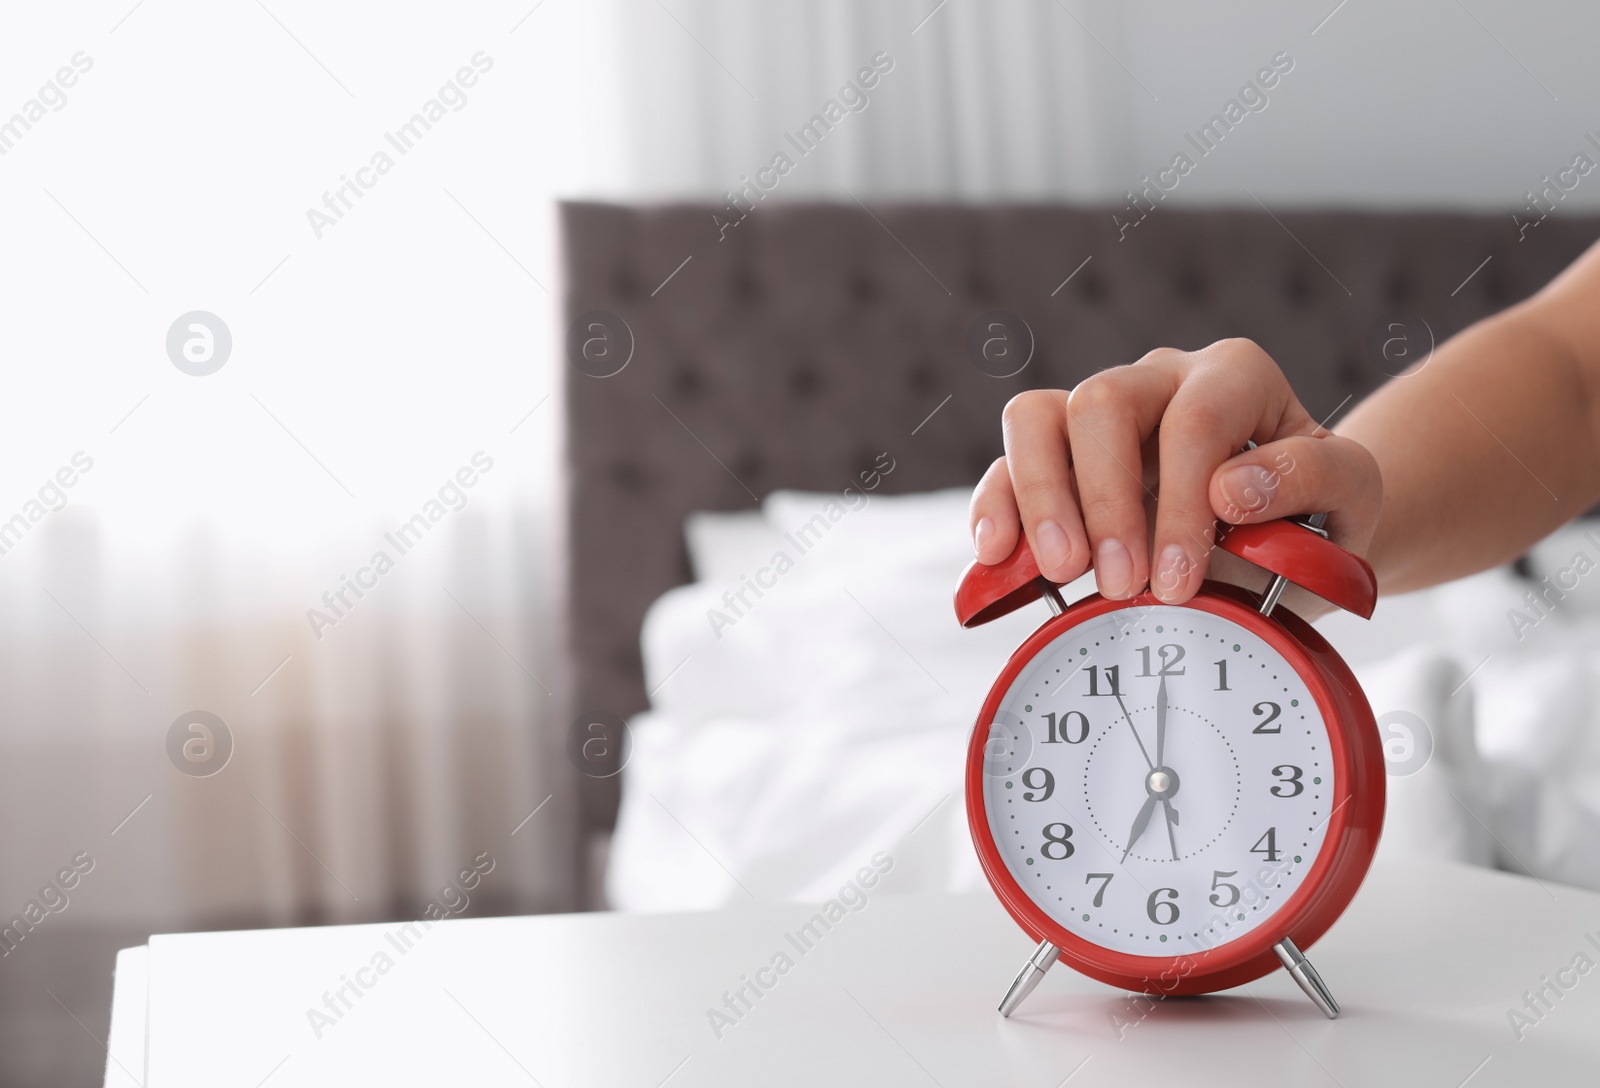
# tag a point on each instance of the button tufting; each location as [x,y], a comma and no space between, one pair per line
[748,466]
[1190,285]
[628,477]
[625,285]
[1495,288]
[922,376]
[687,381]
[746,288]
[804,381]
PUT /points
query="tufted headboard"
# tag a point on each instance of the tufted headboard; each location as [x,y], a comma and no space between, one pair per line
[792,351]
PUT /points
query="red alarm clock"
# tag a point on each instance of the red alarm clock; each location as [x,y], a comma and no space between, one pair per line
[1177,799]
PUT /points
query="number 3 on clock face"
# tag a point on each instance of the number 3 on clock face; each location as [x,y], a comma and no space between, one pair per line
[1158,780]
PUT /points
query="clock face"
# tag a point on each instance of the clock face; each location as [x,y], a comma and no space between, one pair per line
[1158,780]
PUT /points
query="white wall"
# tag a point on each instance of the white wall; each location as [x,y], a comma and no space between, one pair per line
[1387,105]
[1412,104]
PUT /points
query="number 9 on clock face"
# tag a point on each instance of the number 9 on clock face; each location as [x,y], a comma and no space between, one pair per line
[1158,780]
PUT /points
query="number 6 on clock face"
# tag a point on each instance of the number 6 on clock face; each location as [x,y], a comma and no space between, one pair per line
[1162,791]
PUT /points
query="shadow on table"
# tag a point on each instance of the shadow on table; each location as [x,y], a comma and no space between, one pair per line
[1119,1015]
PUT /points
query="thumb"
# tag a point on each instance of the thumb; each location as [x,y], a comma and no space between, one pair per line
[1299,475]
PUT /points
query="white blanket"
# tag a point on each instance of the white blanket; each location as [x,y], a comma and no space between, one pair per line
[813,696]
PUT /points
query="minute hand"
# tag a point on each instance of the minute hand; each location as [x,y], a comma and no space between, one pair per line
[1161,722]
[1161,759]
[1129,717]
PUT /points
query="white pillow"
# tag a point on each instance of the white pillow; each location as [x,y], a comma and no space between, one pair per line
[1423,818]
[723,546]
[879,531]
[1557,557]
[819,529]
[1539,731]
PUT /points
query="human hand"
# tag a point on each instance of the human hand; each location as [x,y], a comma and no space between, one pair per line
[1081,472]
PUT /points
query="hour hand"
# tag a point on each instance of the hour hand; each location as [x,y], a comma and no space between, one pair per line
[1140,822]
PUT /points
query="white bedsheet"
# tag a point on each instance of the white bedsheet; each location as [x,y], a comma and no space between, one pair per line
[815,695]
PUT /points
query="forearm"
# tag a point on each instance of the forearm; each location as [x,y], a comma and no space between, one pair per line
[1491,445]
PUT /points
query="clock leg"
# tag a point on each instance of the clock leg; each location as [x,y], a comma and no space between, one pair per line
[1043,958]
[1302,972]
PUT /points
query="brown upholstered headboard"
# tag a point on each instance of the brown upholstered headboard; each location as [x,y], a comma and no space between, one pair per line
[812,337]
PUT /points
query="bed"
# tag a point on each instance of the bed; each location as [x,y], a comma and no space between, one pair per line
[783,723]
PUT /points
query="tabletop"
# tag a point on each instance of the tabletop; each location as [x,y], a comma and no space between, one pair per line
[1448,975]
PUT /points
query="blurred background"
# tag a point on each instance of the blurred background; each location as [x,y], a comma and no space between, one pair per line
[262,319]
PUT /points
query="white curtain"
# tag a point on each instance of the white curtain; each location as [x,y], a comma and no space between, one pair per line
[376,361]
[368,767]
[984,100]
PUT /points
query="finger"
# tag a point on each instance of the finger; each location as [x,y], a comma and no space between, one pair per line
[1302,474]
[1235,394]
[1036,455]
[993,517]
[1108,418]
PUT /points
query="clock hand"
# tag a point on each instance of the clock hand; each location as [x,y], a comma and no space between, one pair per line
[1161,722]
[1172,818]
[1161,760]
[1140,822]
[1129,718]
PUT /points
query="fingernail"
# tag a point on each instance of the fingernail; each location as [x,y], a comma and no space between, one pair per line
[1113,569]
[1250,487]
[1052,546]
[982,534]
[1172,572]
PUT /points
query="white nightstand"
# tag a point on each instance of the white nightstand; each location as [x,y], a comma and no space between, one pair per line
[1428,963]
